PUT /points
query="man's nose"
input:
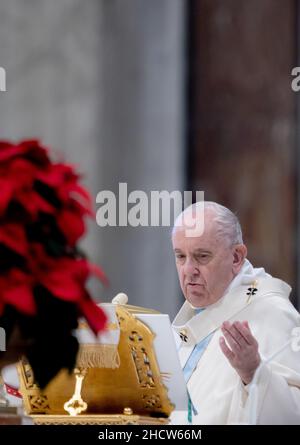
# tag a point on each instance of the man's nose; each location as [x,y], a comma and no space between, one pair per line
[191,267]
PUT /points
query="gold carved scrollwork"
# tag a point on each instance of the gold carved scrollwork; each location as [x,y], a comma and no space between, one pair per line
[39,403]
[136,386]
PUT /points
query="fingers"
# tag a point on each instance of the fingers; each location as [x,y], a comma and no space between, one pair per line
[226,351]
[245,332]
[240,332]
[240,348]
[229,334]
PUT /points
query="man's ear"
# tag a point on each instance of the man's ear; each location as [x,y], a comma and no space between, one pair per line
[239,254]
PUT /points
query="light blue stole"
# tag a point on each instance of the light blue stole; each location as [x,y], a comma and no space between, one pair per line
[191,364]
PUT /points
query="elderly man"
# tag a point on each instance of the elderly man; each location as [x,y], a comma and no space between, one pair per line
[234,315]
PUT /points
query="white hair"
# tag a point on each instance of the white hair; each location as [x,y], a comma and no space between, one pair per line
[228,225]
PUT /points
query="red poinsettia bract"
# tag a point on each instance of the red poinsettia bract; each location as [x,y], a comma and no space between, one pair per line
[42,213]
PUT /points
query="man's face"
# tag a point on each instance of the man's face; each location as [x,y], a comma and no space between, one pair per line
[205,264]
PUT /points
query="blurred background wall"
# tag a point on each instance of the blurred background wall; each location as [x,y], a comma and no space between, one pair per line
[163,95]
[242,121]
[103,82]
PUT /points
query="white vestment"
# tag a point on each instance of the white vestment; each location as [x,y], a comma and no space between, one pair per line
[215,388]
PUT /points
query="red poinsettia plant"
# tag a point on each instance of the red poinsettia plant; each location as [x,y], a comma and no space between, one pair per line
[43,273]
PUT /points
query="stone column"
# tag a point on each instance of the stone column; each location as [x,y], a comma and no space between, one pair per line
[141,137]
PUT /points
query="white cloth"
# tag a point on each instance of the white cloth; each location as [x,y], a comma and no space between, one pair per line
[111,336]
[10,377]
[215,387]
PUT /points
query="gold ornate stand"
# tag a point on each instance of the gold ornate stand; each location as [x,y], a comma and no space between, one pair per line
[96,419]
[132,393]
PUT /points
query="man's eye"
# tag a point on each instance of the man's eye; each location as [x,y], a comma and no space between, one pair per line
[179,257]
[204,256]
